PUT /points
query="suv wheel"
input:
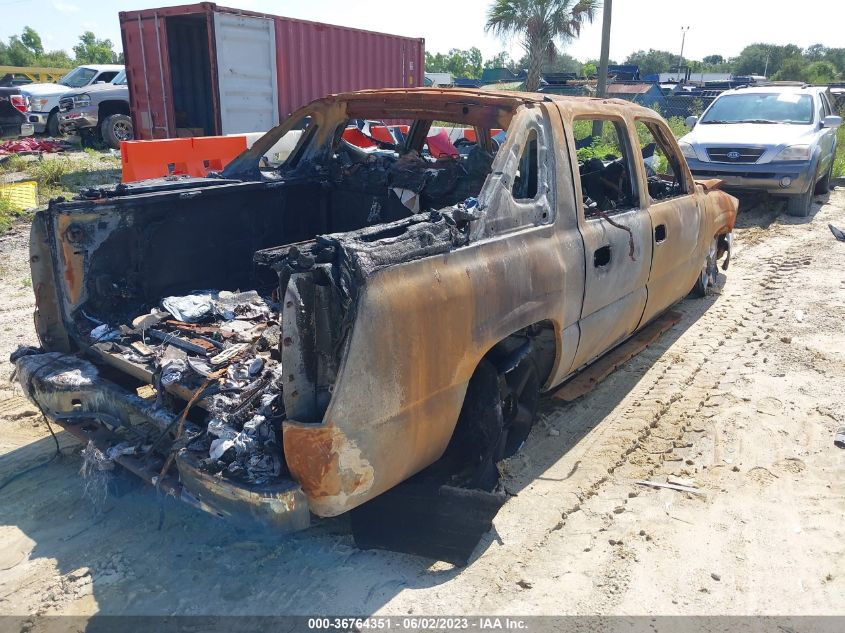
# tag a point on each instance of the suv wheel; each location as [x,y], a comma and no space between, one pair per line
[823,185]
[709,273]
[117,128]
[800,204]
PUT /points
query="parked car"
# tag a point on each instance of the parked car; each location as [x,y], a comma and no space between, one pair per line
[777,139]
[14,79]
[44,98]
[13,107]
[371,310]
[100,112]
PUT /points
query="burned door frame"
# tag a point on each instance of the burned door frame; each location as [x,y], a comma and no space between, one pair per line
[614,290]
[503,212]
[676,225]
[552,206]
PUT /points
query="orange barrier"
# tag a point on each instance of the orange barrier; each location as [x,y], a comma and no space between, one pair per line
[356,137]
[173,156]
[469,134]
[381,133]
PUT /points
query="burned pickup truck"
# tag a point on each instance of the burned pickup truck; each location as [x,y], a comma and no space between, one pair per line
[282,341]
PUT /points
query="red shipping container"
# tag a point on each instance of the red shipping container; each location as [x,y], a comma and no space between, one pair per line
[201,70]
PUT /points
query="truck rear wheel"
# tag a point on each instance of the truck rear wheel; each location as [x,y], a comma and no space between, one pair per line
[117,128]
[498,413]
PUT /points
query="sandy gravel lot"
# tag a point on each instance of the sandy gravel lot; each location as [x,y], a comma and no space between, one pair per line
[741,398]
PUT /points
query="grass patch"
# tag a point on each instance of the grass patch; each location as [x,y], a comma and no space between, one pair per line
[13,163]
[49,172]
[8,215]
[62,175]
[839,158]
[678,126]
[65,176]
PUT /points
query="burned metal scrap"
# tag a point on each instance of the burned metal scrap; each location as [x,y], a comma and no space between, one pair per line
[224,346]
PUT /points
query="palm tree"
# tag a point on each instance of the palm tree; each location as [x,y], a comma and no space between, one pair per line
[540,24]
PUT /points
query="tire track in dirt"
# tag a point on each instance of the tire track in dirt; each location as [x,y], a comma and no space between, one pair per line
[732,338]
[685,384]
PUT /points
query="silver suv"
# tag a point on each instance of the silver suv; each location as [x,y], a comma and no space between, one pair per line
[777,139]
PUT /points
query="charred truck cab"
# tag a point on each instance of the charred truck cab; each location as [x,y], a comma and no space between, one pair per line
[293,340]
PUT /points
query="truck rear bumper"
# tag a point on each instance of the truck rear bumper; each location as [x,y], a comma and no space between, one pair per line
[71,392]
[38,120]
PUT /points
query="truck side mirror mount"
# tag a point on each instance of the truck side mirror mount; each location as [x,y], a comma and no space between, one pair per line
[691,121]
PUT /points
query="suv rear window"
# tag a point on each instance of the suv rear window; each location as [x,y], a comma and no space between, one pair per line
[756,107]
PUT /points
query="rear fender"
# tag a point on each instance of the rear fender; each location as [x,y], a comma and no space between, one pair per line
[49,326]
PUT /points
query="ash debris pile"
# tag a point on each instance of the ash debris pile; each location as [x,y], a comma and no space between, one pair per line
[223,349]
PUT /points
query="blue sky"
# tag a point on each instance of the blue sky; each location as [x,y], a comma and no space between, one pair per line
[723,27]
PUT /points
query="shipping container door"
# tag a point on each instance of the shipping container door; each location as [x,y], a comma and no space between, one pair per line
[246,73]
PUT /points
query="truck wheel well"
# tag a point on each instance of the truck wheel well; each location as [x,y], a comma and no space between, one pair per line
[107,108]
[500,405]
[543,347]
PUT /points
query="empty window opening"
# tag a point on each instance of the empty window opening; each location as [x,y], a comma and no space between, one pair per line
[662,164]
[525,178]
[604,166]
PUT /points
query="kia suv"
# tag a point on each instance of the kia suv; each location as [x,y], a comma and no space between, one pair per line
[776,139]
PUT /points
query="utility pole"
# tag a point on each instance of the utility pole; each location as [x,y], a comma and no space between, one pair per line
[766,69]
[684,30]
[601,88]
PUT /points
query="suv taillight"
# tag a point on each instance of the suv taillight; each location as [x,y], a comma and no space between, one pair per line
[19,102]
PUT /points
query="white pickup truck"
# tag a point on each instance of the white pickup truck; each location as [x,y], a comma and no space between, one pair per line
[44,98]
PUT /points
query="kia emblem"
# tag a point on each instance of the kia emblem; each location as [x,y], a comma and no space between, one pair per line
[734,155]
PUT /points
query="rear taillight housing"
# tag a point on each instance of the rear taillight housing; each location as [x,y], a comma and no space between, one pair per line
[20,102]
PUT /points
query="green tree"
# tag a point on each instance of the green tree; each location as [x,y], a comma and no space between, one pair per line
[713,60]
[759,59]
[820,72]
[816,52]
[90,50]
[18,53]
[793,69]
[652,62]
[55,59]
[541,25]
[560,63]
[836,56]
[27,49]
[461,63]
[502,60]
[589,70]
[32,41]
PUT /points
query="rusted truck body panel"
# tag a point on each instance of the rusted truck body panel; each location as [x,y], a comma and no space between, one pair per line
[386,318]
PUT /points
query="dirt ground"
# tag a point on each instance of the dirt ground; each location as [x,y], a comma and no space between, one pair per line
[741,398]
